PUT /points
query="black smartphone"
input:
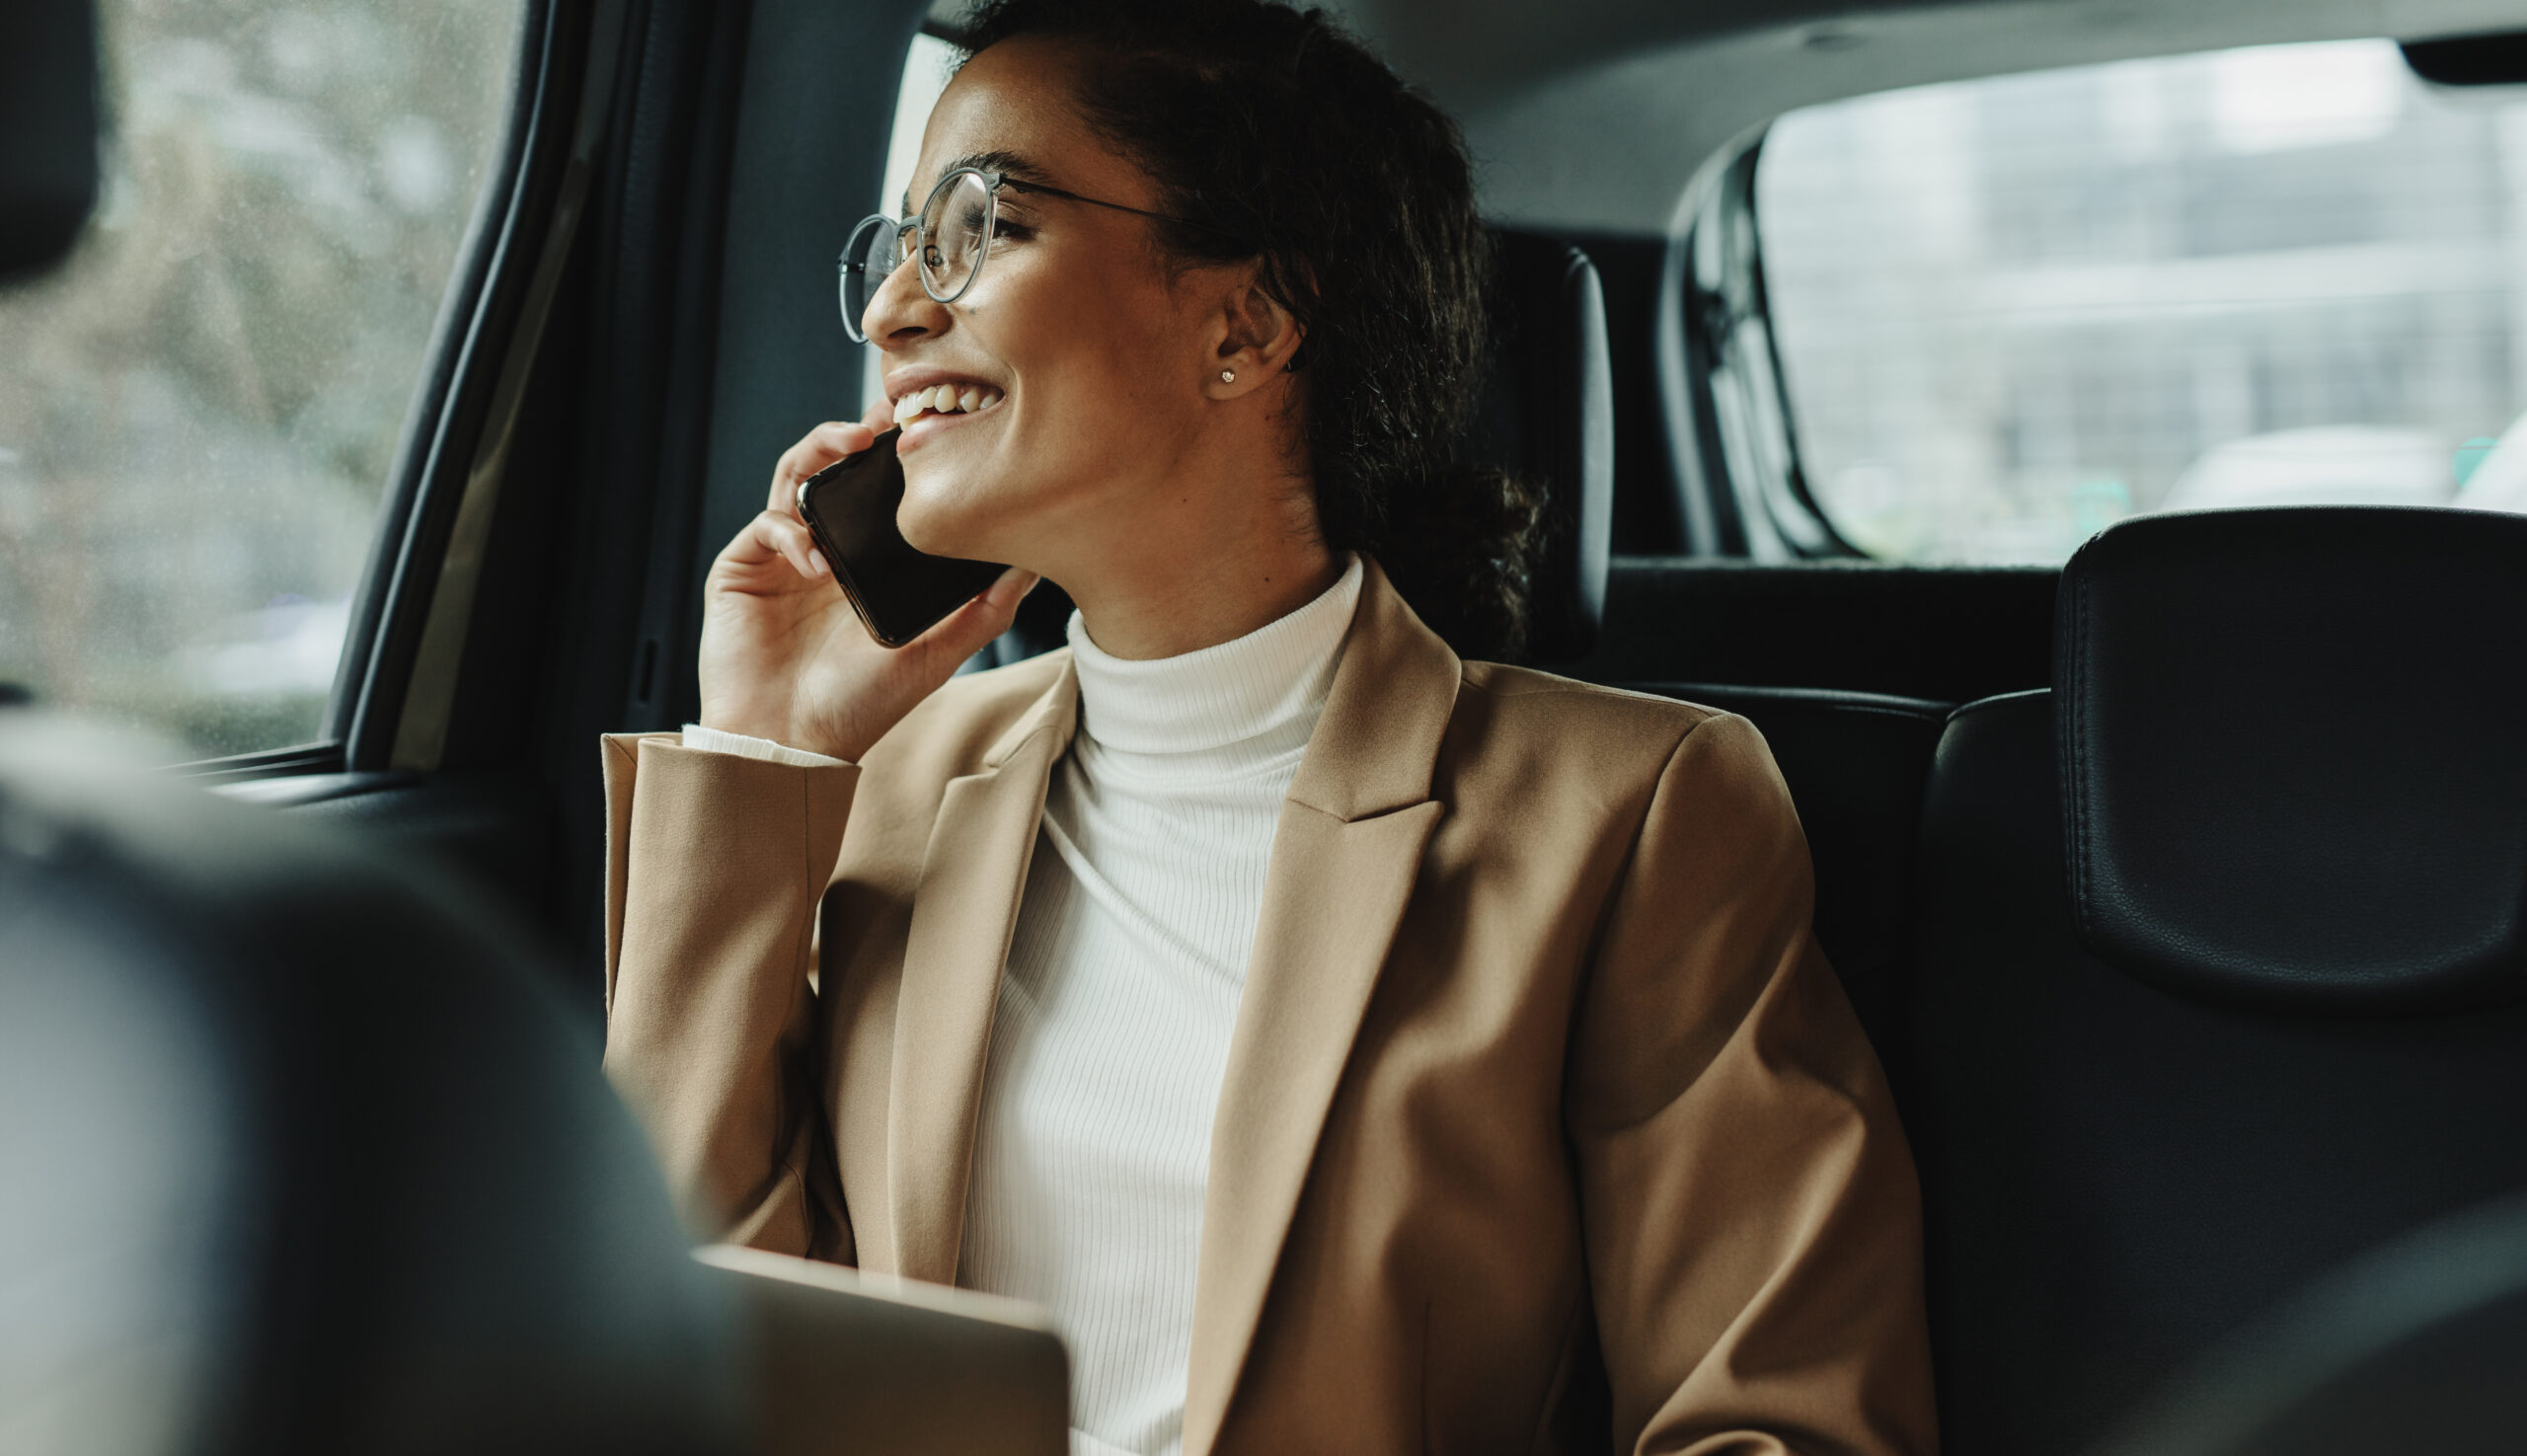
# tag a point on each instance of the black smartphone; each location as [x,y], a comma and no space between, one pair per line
[898,592]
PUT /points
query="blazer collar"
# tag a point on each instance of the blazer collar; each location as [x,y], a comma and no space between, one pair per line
[1392,693]
[1345,853]
[1345,858]
[1055,713]
[965,911]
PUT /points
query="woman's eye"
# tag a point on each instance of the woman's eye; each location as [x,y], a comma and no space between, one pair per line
[1006,228]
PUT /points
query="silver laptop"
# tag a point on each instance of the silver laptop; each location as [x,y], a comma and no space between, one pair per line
[845,1361]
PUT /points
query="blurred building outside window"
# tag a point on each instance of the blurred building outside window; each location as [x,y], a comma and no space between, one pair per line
[200,410]
[2013,311]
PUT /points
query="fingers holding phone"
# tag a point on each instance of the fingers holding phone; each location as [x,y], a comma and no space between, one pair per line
[823,445]
[900,591]
[784,651]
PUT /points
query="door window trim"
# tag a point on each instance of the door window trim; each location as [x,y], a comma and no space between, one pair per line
[1734,406]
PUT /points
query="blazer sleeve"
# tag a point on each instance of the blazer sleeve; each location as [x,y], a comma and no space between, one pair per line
[1752,1218]
[715,865]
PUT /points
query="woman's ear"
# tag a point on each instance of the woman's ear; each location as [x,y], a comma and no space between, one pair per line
[1257,338]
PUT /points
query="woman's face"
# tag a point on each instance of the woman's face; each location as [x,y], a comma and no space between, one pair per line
[1099,350]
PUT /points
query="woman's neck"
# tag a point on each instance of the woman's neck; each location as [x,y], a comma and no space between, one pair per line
[1202,532]
[1221,600]
[1208,565]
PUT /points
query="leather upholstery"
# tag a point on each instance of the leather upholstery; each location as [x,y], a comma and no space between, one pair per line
[2295,745]
[302,1155]
[1854,764]
[1546,415]
[2115,1177]
[1951,634]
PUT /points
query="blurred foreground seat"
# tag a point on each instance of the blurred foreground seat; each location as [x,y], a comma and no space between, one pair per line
[2420,1346]
[297,1155]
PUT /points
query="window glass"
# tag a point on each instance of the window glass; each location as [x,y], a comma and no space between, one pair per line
[199,410]
[2013,311]
[928,67]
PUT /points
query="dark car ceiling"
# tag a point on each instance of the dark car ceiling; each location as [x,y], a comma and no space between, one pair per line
[1597,115]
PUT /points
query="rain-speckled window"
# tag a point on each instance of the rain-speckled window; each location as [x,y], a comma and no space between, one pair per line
[200,408]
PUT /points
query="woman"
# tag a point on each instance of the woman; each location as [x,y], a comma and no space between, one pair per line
[1358,1048]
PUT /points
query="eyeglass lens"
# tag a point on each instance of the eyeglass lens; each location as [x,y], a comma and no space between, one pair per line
[867,263]
[953,224]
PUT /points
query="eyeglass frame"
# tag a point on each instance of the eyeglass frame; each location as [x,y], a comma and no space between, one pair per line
[853,255]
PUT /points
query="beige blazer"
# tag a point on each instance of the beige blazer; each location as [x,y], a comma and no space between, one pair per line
[1542,1109]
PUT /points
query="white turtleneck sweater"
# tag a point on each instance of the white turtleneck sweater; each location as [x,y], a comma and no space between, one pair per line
[1119,996]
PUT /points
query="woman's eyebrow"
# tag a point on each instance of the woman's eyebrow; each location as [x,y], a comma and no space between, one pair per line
[1011,163]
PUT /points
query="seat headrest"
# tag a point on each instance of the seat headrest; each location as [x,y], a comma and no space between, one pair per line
[2293,754]
[49,115]
[1546,414]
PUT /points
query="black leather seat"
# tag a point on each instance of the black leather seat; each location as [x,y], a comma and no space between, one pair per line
[1546,415]
[1856,764]
[301,1156]
[2221,976]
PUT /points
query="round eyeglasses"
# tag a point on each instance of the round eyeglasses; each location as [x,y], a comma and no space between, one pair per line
[950,236]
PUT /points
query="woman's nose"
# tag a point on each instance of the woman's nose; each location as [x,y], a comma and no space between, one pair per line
[902,310]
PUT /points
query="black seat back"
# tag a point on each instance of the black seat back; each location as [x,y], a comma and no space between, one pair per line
[2219,979]
[302,1156]
[1546,415]
[1854,764]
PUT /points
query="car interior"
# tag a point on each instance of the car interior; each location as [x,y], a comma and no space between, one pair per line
[2168,807]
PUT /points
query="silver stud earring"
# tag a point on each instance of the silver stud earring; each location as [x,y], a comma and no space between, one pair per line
[1227,376]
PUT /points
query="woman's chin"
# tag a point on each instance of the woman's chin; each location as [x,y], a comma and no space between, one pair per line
[978,509]
[944,527]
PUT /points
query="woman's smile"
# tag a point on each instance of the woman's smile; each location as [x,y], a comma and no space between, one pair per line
[928,401]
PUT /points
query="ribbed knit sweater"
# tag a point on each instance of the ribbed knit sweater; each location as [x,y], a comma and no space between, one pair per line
[1120,993]
[1119,996]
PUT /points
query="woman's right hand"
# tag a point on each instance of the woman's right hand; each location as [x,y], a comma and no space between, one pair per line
[784,656]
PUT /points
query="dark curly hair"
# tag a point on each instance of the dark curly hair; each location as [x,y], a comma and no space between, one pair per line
[1274,135]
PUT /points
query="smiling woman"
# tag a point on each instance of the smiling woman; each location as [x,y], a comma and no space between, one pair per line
[1355,1044]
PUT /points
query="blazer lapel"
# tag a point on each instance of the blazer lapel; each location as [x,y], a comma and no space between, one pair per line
[1345,857]
[973,875]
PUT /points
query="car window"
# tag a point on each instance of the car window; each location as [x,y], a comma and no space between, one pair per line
[2012,311]
[927,66]
[200,410]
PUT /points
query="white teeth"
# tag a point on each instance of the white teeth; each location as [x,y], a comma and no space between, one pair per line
[946,398]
